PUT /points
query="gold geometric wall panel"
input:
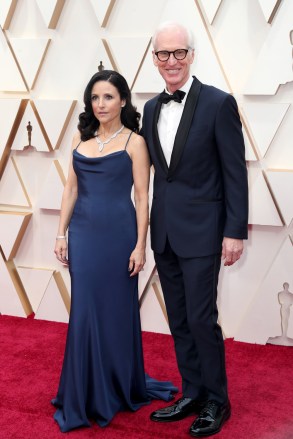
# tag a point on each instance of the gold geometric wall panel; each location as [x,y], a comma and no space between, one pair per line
[13,226]
[264,311]
[274,63]
[250,150]
[35,282]
[9,108]
[51,11]
[281,183]
[30,133]
[12,189]
[269,8]
[211,8]
[54,116]
[153,304]
[13,110]
[103,9]
[51,194]
[139,18]
[121,47]
[52,306]
[10,76]
[148,80]
[264,213]
[6,12]
[30,54]
[10,302]
[263,121]
[48,121]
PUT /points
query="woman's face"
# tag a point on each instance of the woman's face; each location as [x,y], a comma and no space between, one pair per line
[106,102]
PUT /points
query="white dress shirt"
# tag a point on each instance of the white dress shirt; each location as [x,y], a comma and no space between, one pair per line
[169,119]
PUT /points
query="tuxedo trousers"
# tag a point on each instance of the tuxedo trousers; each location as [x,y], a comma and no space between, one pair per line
[190,291]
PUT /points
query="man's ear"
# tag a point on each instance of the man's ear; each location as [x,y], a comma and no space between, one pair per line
[192,55]
[155,59]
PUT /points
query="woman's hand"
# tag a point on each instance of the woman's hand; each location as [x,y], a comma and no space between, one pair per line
[136,261]
[61,250]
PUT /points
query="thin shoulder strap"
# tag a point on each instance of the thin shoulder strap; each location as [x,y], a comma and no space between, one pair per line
[77,145]
[128,140]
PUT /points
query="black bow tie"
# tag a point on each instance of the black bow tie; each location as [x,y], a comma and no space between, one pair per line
[164,97]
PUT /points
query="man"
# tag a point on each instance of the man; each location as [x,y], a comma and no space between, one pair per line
[199,212]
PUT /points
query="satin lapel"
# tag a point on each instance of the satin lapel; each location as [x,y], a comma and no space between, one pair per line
[156,140]
[184,126]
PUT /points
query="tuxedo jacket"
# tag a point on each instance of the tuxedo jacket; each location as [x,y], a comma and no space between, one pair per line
[203,195]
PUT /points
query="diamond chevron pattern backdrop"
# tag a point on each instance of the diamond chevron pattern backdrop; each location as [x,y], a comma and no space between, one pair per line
[48,51]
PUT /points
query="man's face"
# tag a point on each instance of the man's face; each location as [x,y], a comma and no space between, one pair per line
[174,72]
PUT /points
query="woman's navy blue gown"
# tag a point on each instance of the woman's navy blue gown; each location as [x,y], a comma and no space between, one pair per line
[103,370]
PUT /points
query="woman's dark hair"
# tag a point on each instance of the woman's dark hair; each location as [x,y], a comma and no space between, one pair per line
[89,124]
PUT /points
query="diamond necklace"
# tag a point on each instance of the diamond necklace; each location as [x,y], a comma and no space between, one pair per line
[102,144]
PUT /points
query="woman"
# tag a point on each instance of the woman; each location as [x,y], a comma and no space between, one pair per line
[103,370]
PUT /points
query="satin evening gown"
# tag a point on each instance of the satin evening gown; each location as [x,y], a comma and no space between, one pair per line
[103,370]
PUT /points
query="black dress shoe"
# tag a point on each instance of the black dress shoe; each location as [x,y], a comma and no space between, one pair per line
[210,419]
[182,408]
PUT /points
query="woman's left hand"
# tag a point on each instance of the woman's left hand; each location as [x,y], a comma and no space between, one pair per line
[136,261]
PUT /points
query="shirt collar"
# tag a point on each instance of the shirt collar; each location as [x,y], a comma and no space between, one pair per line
[186,87]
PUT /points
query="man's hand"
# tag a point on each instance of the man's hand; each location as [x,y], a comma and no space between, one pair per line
[232,249]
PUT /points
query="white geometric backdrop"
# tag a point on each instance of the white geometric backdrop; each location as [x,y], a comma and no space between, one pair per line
[48,51]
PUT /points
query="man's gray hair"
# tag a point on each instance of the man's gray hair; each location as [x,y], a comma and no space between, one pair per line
[173,24]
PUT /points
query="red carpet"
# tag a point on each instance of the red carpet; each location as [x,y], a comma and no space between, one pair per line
[31,351]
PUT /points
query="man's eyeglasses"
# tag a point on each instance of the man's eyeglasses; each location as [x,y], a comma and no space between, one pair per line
[179,54]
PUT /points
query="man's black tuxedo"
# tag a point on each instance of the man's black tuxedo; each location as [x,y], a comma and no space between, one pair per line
[199,199]
[202,196]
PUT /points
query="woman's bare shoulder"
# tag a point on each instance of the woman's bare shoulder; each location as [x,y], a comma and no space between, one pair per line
[137,140]
[76,140]
[138,148]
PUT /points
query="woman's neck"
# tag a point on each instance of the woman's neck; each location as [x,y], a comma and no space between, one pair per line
[106,130]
